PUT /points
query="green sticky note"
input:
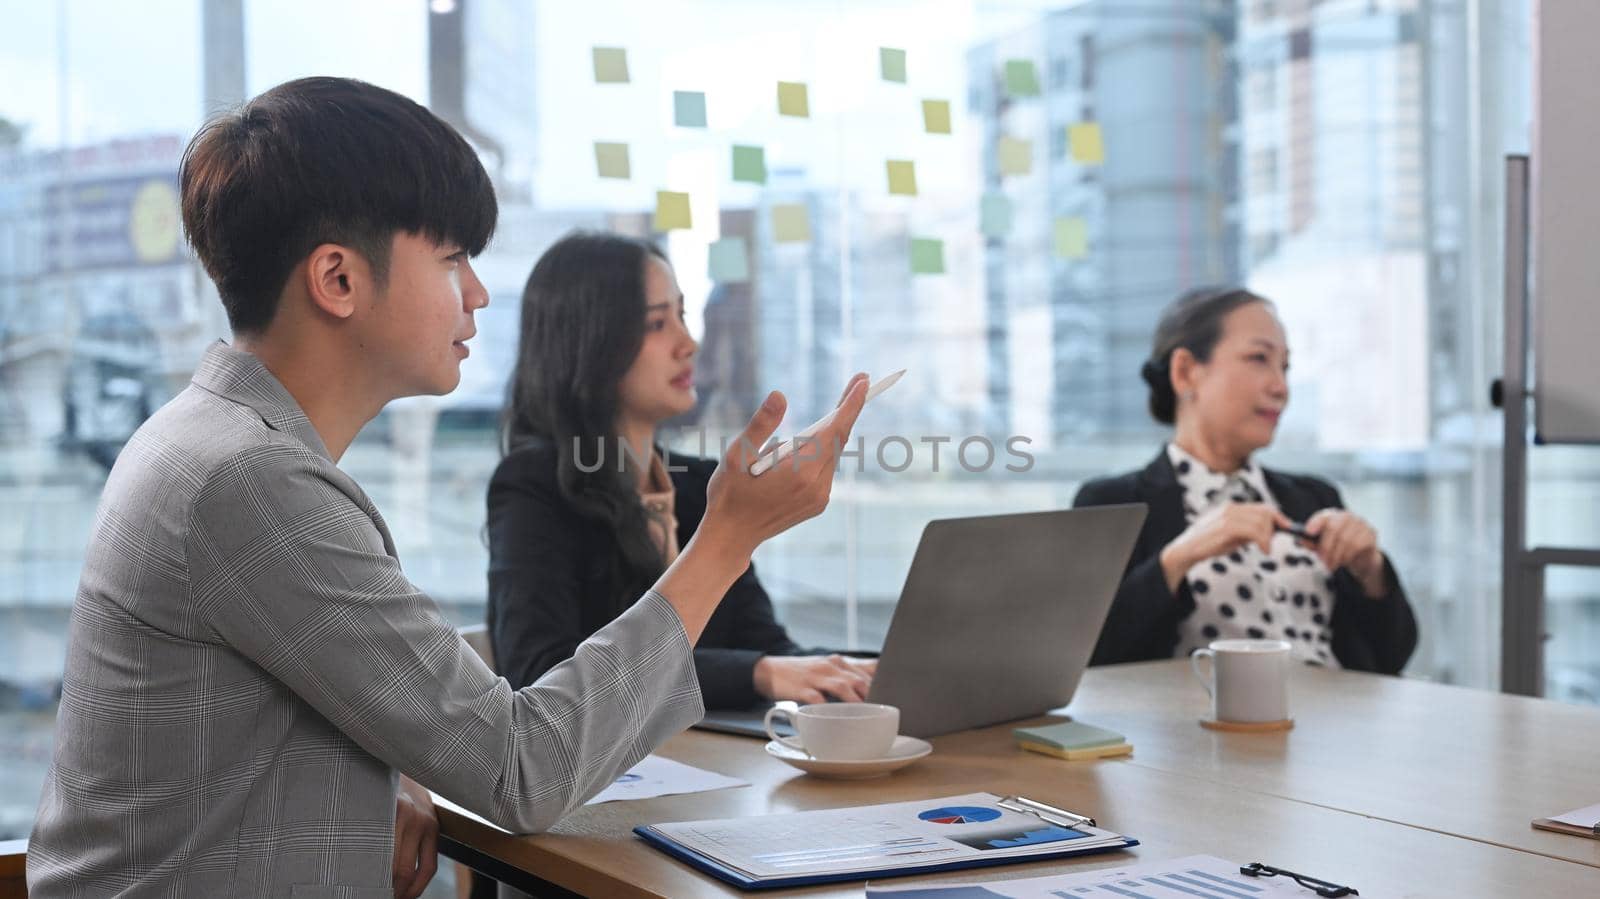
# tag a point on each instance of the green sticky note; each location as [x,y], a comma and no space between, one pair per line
[791,223]
[611,160]
[1072,238]
[792,100]
[1069,735]
[1088,146]
[1022,80]
[902,177]
[892,63]
[927,256]
[749,164]
[689,109]
[936,116]
[729,261]
[994,215]
[672,210]
[1016,156]
[610,65]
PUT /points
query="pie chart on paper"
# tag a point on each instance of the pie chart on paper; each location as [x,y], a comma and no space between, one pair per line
[959,814]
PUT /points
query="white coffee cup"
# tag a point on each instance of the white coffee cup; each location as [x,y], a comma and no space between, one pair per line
[1249,679]
[839,731]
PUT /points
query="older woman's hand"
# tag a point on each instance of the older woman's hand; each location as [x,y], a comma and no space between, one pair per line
[1218,532]
[1346,540]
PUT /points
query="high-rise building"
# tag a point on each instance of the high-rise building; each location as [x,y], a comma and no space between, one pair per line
[1336,215]
[1101,237]
[481,80]
[99,307]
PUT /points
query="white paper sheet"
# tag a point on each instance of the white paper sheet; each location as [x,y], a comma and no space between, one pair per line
[1583,817]
[657,776]
[1180,878]
[653,776]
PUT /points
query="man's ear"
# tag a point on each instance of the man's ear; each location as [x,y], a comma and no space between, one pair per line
[336,278]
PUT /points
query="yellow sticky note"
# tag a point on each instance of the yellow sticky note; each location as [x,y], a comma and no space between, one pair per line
[791,223]
[1072,238]
[611,160]
[1088,147]
[902,177]
[1016,156]
[672,210]
[610,65]
[936,116]
[792,99]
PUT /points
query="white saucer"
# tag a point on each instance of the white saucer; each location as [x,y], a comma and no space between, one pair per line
[904,751]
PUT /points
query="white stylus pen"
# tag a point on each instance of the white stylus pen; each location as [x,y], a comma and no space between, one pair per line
[786,448]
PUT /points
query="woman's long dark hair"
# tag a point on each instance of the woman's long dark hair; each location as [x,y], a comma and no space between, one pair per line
[583,319]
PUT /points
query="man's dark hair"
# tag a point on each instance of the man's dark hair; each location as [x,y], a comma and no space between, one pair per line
[324,160]
[1193,322]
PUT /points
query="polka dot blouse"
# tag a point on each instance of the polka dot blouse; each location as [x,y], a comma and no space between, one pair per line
[1284,594]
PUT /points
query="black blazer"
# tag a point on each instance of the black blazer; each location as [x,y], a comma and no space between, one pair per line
[1368,634]
[554,580]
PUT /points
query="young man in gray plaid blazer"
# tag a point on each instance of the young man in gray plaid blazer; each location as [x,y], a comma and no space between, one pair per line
[253,690]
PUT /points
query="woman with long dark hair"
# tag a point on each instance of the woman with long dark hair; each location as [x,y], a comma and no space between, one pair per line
[1219,555]
[585,511]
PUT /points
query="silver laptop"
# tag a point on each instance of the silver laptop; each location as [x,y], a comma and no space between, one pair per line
[997,619]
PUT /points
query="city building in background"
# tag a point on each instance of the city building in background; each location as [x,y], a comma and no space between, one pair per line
[1103,235]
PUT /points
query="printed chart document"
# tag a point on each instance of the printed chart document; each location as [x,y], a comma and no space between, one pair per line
[1184,878]
[875,840]
[653,776]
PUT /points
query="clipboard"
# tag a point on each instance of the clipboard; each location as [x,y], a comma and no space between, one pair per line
[732,874]
[1572,823]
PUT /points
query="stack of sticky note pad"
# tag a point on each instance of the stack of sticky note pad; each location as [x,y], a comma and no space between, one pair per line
[1073,740]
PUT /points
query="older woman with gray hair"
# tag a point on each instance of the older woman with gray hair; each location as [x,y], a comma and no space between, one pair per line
[1232,549]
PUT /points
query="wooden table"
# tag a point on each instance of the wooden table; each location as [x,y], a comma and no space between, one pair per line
[1371,788]
[13,869]
[1469,763]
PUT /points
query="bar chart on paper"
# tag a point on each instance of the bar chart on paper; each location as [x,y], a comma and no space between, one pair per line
[1200,876]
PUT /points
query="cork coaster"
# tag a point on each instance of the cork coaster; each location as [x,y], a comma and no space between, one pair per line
[1253,727]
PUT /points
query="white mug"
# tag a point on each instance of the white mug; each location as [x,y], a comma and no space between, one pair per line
[839,731]
[1249,679]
